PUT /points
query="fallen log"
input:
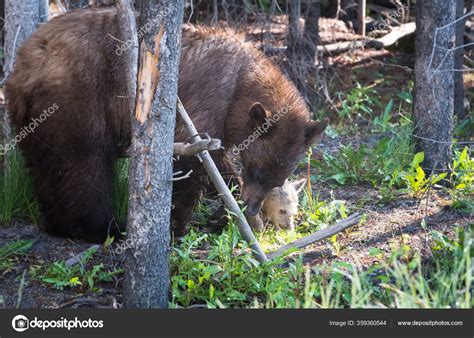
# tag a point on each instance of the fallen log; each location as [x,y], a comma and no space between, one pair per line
[385,41]
[317,236]
[397,33]
[340,47]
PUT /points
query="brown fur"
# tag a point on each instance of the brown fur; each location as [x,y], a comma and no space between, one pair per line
[71,62]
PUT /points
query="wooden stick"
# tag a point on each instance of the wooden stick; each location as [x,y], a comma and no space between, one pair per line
[317,236]
[222,188]
[190,149]
[185,149]
[77,258]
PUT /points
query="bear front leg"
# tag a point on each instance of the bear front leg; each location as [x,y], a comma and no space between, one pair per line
[186,194]
[219,218]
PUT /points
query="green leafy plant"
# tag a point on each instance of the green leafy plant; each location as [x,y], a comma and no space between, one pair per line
[360,101]
[382,123]
[462,181]
[463,172]
[59,275]
[417,181]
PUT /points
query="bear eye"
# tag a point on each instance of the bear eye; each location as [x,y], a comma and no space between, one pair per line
[283,211]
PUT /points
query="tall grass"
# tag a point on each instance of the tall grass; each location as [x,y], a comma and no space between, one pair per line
[17,200]
[120,193]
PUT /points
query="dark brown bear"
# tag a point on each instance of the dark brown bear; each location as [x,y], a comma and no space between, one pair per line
[229,88]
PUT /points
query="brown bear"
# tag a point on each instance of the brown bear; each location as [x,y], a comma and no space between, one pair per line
[230,89]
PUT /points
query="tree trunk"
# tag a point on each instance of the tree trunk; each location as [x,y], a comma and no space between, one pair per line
[458,63]
[302,43]
[311,30]
[294,50]
[148,229]
[434,81]
[361,9]
[21,20]
[44,10]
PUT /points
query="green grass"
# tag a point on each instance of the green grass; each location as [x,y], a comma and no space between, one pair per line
[120,193]
[313,215]
[11,253]
[228,276]
[17,200]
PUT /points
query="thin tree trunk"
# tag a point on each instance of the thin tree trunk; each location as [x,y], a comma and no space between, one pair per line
[215,11]
[361,9]
[434,89]
[148,229]
[44,10]
[294,51]
[21,20]
[302,43]
[294,31]
[311,30]
[459,62]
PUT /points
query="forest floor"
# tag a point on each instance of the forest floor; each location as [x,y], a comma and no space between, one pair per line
[396,222]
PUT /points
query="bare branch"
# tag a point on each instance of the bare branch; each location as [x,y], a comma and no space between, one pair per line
[318,235]
[222,188]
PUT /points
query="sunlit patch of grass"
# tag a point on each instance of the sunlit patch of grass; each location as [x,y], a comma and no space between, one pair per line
[228,276]
[312,216]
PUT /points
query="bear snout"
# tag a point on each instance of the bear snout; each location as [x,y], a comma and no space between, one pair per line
[252,200]
[252,209]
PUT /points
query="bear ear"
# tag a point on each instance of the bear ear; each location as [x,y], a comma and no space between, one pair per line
[299,185]
[258,114]
[313,130]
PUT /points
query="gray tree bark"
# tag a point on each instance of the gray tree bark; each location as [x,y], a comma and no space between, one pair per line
[302,42]
[459,62]
[361,9]
[148,229]
[311,30]
[43,10]
[434,81]
[21,20]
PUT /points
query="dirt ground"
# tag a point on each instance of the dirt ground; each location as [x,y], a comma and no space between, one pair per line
[387,226]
